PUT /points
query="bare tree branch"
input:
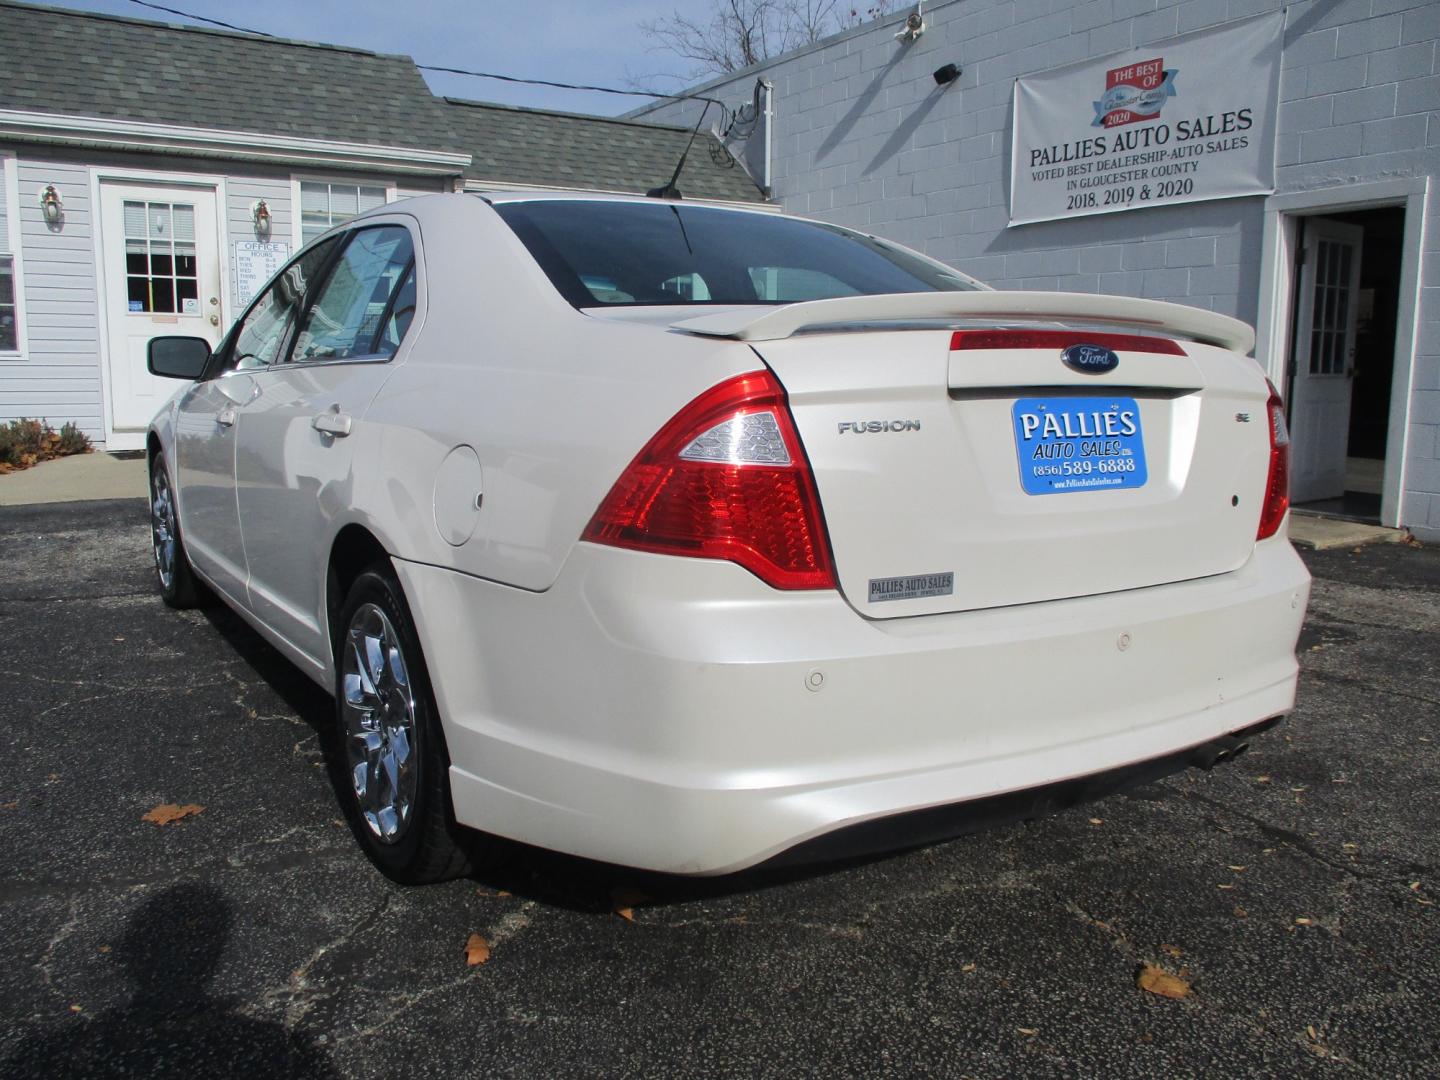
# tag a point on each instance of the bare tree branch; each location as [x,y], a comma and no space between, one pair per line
[739,33]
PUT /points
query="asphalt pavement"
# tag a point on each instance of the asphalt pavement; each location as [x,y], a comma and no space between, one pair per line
[1293,893]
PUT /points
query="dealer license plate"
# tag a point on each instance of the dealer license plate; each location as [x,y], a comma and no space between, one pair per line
[1078,444]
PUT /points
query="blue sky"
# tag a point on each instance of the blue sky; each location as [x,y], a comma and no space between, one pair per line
[568,40]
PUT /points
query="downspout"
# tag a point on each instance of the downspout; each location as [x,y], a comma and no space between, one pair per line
[767,89]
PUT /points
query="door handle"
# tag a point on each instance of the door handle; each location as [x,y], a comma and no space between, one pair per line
[332,423]
[225,417]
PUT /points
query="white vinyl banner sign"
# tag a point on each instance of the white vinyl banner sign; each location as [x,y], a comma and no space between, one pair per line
[1180,121]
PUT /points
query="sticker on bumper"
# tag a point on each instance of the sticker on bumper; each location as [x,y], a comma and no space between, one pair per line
[1078,444]
[914,587]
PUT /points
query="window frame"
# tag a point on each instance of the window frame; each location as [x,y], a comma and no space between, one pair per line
[297,226]
[10,247]
[347,236]
[219,365]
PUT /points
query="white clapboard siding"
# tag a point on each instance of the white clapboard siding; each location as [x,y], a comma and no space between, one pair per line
[242,192]
[59,378]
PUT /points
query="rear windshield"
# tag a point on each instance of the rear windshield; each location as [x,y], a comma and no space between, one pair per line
[602,254]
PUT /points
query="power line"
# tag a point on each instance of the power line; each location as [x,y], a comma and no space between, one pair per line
[201,18]
[463,71]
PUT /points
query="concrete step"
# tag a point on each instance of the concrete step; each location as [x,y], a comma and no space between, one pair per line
[1324,533]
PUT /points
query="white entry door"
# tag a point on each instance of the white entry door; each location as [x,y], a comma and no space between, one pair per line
[161,254]
[1324,359]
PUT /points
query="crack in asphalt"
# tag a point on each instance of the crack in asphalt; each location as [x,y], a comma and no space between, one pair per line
[1361,684]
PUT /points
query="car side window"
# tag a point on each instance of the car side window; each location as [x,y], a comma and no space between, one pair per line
[354,313]
[402,311]
[259,340]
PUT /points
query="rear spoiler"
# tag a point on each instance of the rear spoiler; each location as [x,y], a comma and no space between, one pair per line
[772,323]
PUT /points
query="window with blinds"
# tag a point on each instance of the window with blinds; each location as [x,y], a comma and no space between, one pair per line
[160,268]
[323,204]
[9,336]
[9,318]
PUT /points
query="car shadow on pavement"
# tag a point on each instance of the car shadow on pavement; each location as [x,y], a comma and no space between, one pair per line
[172,1026]
[549,878]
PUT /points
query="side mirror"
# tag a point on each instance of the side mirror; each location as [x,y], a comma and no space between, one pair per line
[177,357]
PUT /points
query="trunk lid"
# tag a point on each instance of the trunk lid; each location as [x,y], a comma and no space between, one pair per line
[920,453]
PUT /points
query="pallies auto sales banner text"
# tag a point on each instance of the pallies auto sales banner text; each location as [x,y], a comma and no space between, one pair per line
[1180,121]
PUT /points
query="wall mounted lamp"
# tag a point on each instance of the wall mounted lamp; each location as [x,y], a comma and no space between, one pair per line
[50,205]
[947,74]
[260,213]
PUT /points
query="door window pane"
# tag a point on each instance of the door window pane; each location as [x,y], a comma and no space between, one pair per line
[266,326]
[9,338]
[345,320]
[160,267]
[323,204]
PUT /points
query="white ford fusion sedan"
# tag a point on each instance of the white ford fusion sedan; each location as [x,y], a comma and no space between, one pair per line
[690,537]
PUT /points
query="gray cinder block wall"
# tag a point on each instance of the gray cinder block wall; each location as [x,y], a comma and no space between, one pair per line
[863,137]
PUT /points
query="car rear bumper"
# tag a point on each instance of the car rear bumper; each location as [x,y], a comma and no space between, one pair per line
[679,715]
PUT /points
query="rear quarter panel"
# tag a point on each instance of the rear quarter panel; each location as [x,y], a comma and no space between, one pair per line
[554,404]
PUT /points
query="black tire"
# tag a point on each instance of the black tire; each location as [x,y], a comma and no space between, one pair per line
[424,844]
[178,587]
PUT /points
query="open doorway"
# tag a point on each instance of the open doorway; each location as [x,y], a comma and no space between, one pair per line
[1341,364]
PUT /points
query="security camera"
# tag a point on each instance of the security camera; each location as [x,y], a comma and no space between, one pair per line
[914,24]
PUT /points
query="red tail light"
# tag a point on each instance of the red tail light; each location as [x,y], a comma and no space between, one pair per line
[727,478]
[1061,339]
[1277,487]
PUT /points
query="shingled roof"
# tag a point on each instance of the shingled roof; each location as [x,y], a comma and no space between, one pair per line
[110,68]
[81,64]
[544,148]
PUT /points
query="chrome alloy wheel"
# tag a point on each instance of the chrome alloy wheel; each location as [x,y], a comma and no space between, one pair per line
[379,709]
[162,525]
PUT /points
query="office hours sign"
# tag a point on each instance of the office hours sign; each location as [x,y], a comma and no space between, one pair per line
[1181,121]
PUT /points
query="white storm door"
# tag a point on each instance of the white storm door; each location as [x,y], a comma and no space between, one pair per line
[161,255]
[1324,359]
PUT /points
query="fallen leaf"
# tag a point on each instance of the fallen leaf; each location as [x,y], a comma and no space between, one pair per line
[1172,950]
[104,948]
[624,901]
[167,813]
[1302,921]
[10,805]
[1097,821]
[1240,912]
[1310,1030]
[967,968]
[76,1008]
[1031,1032]
[1156,981]
[501,892]
[1224,886]
[1350,847]
[1237,869]
[1262,779]
[1414,886]
[477,950]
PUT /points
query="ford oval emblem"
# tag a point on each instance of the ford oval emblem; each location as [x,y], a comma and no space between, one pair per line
[1090,359]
